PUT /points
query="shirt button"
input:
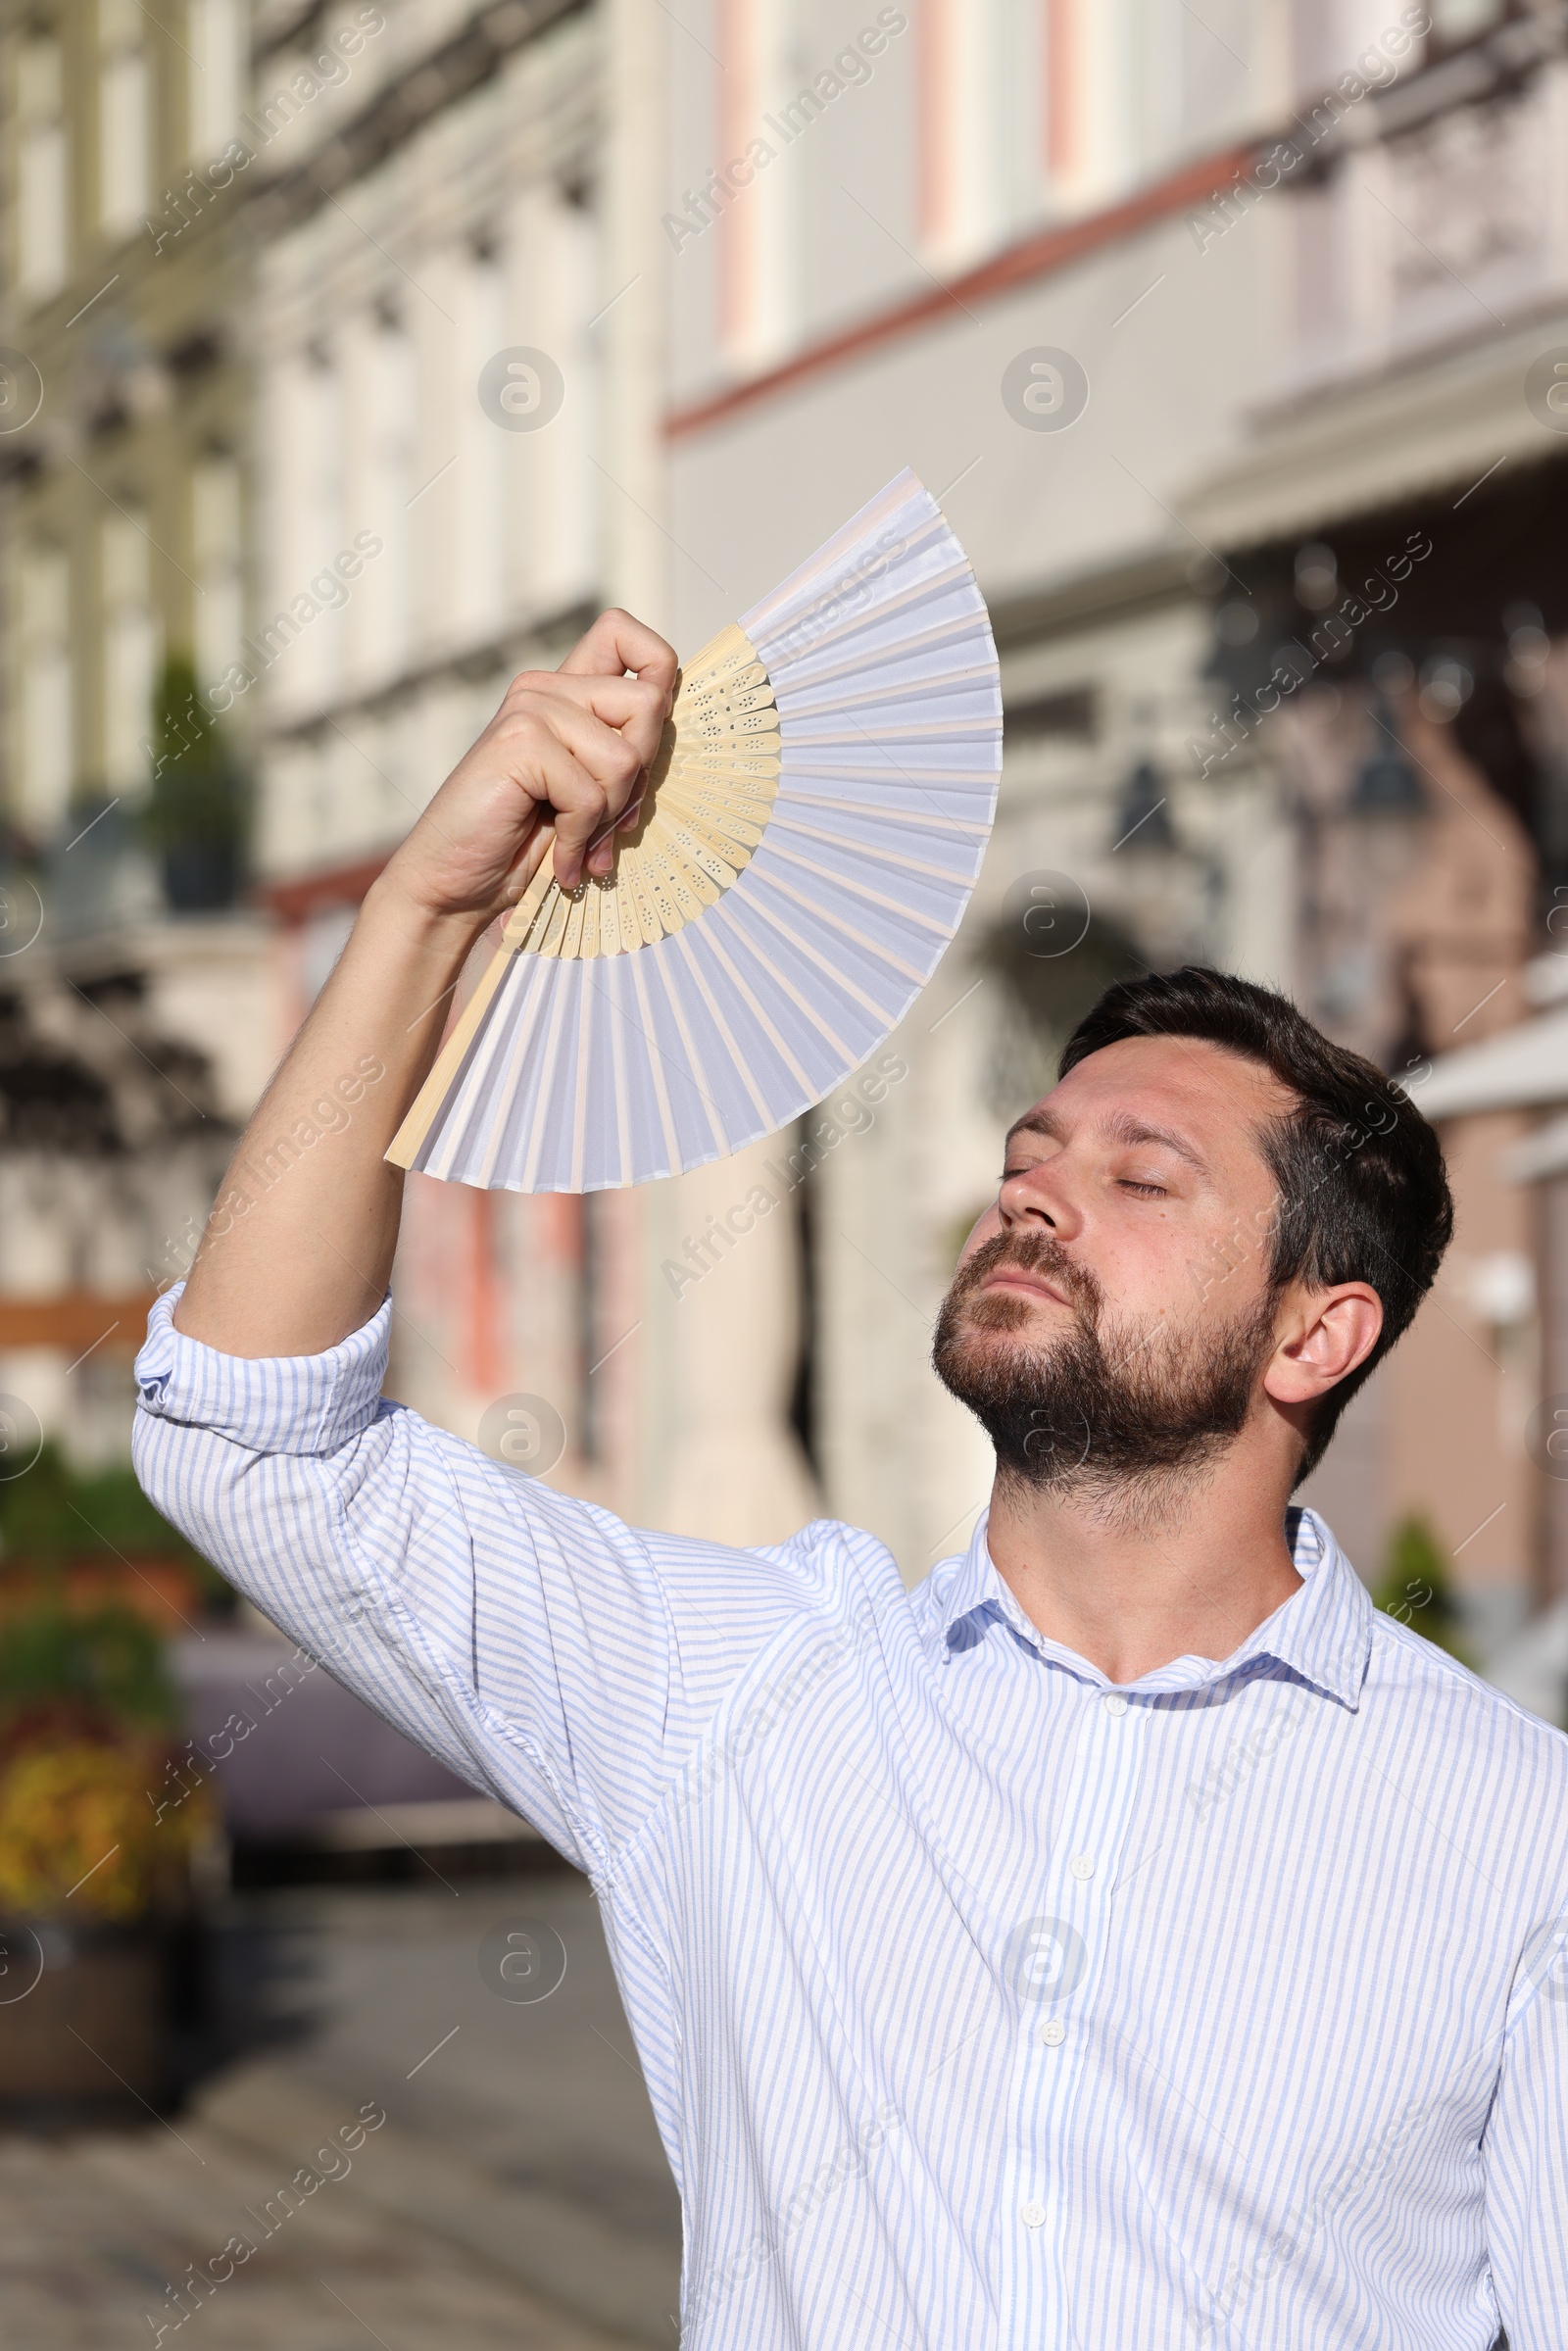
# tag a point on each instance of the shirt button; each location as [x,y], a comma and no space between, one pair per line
[1053,2033]
[1081,1865]
[1114,1703]
[1031,2215]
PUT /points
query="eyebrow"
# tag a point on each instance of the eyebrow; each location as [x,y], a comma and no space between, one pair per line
[1121,1127]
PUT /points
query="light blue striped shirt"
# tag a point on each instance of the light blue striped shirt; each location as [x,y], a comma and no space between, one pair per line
[980,2003]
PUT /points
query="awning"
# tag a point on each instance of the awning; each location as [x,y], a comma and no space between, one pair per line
[1422,425]
[1524,1068]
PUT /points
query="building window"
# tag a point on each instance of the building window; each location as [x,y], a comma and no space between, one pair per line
[217,79]
[1061,108]
[129,648]
[41,170]
[44,698]
[473,503]
[123,99]
[214,492]
[756,203]
[964,126]
[386,447]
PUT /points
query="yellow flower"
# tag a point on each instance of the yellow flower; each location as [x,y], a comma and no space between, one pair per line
[79,1837]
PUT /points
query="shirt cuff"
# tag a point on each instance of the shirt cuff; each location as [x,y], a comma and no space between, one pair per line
[274,1404]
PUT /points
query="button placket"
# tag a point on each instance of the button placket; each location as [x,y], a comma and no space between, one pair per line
[1055,2046]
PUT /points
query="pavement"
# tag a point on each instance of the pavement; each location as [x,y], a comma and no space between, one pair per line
[515,2192]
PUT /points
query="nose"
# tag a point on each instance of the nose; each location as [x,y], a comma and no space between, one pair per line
[1042,1200]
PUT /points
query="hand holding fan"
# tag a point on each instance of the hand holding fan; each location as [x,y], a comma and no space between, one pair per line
[806,844]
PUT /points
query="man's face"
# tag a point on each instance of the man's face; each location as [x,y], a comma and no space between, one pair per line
[1111,1313]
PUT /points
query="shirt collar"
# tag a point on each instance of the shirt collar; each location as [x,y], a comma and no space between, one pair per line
[1323,1633]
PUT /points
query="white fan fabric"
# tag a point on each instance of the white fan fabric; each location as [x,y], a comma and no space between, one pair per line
[616,1069]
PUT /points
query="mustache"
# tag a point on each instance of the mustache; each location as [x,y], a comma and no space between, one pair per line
[1040,1253]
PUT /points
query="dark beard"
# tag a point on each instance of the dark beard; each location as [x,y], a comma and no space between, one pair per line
[1108,1404]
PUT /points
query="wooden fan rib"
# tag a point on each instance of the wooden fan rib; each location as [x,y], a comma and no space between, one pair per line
[916,821]
[904,498]
[685,836]
[874,897]
[693,1061]
[521,920]
[806,702]
[839,572]
[465,1118]
[851,771]
[469,1113]
[579,1121]
[750,796]
[407,1142]
[681,854]
[869,946]
[547,1079]
[718,826]
[921,730]
[783,662]
[803,946]
[882,856]
[785,985]
[960,630]
[655,1074]
[745,770]
[683,947]
[617,1060]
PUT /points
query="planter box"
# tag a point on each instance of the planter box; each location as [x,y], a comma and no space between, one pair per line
[83,2014]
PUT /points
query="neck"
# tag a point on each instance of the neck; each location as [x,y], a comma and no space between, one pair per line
[1132,1576]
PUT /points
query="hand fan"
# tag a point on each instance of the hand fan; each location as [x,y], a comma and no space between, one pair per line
[809,839]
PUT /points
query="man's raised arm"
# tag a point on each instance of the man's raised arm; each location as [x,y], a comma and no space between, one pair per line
[292,1269]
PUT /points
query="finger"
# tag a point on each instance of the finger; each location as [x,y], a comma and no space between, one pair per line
[601,857]
[605,752]
[635,707]
[526,863]
[616,643]
[578,801]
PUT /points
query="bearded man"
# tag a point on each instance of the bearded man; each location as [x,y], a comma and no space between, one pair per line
[1126,1938]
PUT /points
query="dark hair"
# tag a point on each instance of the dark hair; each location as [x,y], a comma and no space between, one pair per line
[1362,1194]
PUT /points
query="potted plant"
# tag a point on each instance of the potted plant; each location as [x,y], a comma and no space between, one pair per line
[94,1536]
[99,1830]
[198,809]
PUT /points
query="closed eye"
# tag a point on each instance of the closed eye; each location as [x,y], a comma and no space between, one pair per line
[1151,1190]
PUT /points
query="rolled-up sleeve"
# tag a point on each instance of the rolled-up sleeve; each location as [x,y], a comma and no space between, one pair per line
[526,1639]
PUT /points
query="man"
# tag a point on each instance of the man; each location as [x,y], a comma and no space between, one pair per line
[1126,1939]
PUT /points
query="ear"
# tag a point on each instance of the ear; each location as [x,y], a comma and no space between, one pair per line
[1324,1333]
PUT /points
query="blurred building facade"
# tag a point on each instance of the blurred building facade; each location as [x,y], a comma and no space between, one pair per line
[1226,341]
[1268,557]
[133,1043]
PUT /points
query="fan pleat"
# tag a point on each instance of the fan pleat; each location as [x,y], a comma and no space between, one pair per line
[849,836]
[812,834]
[604,989]
[823,872]
[666,1157]
[513,1014]
[699,1123]
[738,1059]
[871,1000]
[708,942]
[585,1065]
[547,1112]
[818,1045]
